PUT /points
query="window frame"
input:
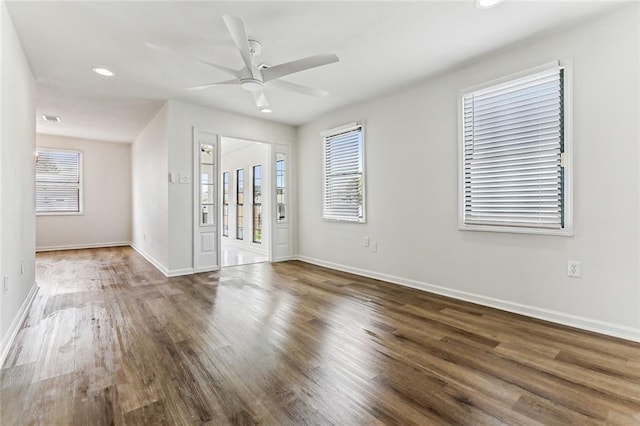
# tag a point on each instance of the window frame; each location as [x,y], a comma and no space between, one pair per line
[282,175]
[80,211]
[226,194]
[333,132]
[239,206]
[567,159]
[254,204]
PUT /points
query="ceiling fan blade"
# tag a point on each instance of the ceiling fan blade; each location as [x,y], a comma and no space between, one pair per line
[260,99]
[232,72]
[239,34]
[287,68]
[220,83]
[293,87]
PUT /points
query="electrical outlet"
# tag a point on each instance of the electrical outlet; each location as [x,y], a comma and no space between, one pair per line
[574,269]
[374,247]
[5,284]
[365,242]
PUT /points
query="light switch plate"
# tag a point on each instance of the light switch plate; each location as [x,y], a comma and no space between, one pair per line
[172,177]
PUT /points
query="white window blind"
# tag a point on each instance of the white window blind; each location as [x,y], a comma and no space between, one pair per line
[513,136]
[58,181]
[344,175]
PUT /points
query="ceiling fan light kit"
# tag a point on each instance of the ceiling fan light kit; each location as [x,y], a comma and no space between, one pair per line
[255,77]
[103,72]
[486,4]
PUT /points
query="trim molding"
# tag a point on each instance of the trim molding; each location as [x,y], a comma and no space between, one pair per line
[179,272]
[14,328]
[159,266]
[84,246]
[589,324]
[205,269]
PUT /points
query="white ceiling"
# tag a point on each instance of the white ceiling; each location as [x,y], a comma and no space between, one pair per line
[382,46]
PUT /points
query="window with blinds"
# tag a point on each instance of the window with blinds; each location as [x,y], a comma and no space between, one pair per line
[58,181]
[343,186]
[513,152]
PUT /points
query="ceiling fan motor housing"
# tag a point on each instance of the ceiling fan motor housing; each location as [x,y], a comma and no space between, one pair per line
[251,84]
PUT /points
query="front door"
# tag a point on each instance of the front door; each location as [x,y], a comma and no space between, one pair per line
[206,256]
[281,217]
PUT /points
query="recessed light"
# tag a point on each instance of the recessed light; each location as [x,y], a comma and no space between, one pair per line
[103,71]
[265,110]
[485,4]
[51,118]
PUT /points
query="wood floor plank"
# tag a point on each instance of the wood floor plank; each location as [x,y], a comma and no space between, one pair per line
[110,340]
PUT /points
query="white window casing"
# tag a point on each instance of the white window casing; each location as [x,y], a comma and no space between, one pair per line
[343,177]
[516,155]
[58,182]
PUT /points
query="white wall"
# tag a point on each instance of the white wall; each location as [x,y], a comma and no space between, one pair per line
[106,187]
[245,158]
[149,174]
[412,186]
[17,160]
[183,118]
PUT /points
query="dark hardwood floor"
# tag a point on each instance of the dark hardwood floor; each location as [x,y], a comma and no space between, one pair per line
[110,340]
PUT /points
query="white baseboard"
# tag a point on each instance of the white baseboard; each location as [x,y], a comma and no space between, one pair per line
[83,246]
[206,269]
[179,272]
[583,323]
[14,328]
[159,266]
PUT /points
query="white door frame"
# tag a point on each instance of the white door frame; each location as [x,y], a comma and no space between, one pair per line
[272,170]
[291,179]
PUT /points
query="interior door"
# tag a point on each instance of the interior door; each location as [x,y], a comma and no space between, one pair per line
[206,236]
[281,212]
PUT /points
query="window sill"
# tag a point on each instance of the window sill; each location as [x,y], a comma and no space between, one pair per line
[567,232]
[343,220]
[60,214]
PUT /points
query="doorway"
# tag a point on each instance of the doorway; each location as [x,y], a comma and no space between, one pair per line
[242,200]
[246,201]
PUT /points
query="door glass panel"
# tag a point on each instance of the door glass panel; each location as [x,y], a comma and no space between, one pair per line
[206,173]
[207,188]
[207,194]
[281,188]
[225,204]
[240,204]
[257,204]
[206,153]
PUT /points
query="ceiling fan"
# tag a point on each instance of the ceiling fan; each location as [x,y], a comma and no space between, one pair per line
[253,77]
